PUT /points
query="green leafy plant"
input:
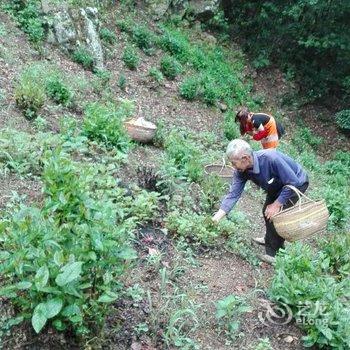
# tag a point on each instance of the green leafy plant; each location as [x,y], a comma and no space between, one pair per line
[143,38]
[28,16]
[83,57]
[131,58]
[30,97]
[342,118]
[231,129]
[183,155]
[21,152]
[104,123]
[228,311]
[156,75]
[189,88]
[122,82]
[304,135]
[170,67]
[58,91]
[62,263]
[197,228]
[108,36]
[315,285]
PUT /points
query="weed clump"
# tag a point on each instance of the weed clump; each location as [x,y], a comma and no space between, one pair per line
[131,58]
[170,67]
[83,57]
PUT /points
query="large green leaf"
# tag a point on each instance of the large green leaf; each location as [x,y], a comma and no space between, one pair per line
[108,297]
[39,319]
[69,273]
[53,307]
[41,277]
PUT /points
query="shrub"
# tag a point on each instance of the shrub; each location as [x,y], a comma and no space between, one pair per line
[170,67]
[189,89]
[107,36]
[143,38]
[21,152]
[342,118]
[125,25]
[231,129]
[104,123]
[131,58]
[30,97]
[314,285]
[305,135]
[156,75]
[184,155]
[175,43]
[58,91]
[122,82]
[28,17]
[83,57]
[62,264]
[197,228]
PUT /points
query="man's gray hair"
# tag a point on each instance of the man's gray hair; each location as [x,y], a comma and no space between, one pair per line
[238,148]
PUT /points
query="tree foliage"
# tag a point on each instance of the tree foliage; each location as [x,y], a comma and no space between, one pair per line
[310,38]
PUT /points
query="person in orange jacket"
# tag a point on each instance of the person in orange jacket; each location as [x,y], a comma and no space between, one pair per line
[261,126]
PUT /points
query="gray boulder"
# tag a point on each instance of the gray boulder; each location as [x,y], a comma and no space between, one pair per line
[73,28]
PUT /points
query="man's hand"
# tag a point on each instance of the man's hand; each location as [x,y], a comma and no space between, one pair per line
[272,209]
[218,215]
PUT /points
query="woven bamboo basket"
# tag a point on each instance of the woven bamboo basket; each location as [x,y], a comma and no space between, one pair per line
[140,130]
[222,170]
[304,219]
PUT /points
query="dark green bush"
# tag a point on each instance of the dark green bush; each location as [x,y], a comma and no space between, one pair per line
[170,67]
[315,286]
[343,119]
[231,129]
[104,123]
[29,18]
[58,91]
[131,58]
[107,36]
[190,88]
[83,57]
[143,38]
[310,39]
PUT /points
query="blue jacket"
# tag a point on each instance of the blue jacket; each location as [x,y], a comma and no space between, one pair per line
[271,171]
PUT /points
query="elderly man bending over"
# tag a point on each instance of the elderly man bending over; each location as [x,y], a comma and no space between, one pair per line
[271,170]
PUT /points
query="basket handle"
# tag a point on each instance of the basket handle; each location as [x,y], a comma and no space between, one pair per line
[300,195]
[223,165]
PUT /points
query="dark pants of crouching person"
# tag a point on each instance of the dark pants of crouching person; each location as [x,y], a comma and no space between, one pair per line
[273,242]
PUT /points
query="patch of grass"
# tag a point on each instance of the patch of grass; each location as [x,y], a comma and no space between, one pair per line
[104,123]
[30,97]
[58,91]
[156,75]
[143,38]
[122,82]
[190,88]
[170,67]
[29,18]
[83,57]
[342,119]
[107,36]
[131,58]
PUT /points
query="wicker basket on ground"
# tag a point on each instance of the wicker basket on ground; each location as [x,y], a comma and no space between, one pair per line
[304,219]
[222,170]
[140,129]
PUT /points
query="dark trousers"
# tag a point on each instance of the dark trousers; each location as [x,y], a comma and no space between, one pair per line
[273,242]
